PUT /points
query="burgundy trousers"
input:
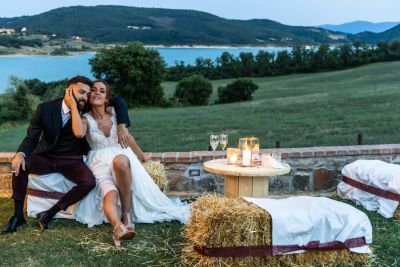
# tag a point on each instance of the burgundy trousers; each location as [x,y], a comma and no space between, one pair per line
[72,167]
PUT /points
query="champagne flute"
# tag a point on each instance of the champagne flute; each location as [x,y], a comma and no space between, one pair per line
[223,140]
[214,141]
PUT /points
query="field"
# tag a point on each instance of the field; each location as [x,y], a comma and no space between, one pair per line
[299,110]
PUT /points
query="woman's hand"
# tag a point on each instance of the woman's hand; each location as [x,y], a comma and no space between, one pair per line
[145,158]
[69,98]
[124,138]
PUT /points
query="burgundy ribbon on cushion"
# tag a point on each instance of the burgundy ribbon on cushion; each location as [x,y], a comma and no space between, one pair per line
[371,189]
[44,194]
[262,251]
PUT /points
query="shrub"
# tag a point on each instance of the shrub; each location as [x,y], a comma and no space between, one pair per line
[194,90]
[238,90]
[59,52]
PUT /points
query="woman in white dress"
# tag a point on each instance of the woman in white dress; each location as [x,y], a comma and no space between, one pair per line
[123,185]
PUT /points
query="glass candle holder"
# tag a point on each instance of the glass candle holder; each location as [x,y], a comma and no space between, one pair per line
[249,151]
[232,155]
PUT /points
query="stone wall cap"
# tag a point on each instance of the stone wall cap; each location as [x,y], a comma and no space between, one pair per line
[296,152]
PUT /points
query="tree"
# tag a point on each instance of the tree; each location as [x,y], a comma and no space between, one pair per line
[282,62]
[133,72]
[227,65]
[239,90]
[264,63]
[17,104]
[193,90]
[247,62]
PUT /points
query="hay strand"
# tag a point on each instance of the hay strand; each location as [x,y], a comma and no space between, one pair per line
[397,213]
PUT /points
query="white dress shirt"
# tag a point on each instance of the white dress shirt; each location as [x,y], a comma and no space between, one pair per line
[65,113]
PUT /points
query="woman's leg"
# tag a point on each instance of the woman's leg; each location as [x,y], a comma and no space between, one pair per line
[110,207]
[123,180]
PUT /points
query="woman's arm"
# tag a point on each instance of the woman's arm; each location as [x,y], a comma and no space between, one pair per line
[136,149]
[79,124]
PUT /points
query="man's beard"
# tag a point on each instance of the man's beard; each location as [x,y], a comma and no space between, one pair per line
[80,105]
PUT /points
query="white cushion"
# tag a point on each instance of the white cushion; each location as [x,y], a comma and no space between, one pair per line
[375,173]
[53,182]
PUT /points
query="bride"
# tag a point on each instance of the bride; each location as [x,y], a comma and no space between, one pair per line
[122,183]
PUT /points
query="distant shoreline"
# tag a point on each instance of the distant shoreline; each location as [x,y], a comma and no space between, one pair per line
[216,46]
[44,52]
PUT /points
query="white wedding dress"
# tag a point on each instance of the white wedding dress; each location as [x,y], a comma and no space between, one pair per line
[149,203]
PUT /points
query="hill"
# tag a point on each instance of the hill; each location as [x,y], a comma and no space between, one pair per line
[392,34]
[167,27]
[298,110]
[355,27]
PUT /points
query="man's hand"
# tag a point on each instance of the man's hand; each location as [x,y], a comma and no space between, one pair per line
[17,162]
[123,135]
[69,98]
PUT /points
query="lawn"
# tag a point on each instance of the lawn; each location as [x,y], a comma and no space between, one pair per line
[299,110]
[68,243]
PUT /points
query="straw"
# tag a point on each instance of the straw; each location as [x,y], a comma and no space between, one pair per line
[157,171]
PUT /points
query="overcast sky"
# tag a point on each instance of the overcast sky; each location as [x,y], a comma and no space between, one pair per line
[292,12]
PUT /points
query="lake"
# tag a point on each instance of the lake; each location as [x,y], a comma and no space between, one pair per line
[51,68]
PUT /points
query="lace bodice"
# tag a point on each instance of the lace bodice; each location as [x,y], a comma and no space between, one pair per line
[96,138]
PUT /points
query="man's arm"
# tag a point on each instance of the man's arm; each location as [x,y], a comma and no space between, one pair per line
[29,143]
[32,134]
[121,110]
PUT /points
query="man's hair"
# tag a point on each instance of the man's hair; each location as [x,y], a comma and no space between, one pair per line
[80,79]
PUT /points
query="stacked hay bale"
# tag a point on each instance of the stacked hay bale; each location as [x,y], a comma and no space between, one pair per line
[157,171]
[224,222]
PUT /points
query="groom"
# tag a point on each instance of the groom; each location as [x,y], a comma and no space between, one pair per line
[50,146]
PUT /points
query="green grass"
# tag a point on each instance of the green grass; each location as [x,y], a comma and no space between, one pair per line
[68,243]
[319,109]
[298,110]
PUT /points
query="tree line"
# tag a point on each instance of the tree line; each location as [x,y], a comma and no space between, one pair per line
[299,60]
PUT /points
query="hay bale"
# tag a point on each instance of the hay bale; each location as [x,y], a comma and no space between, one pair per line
[222,222]
[157,171]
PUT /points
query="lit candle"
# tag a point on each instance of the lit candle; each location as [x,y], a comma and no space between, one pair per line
[233,159]
[246,157]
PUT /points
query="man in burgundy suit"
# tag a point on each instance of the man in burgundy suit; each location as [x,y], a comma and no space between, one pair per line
[50,146]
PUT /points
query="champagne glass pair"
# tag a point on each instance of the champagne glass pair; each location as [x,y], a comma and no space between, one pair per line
[216,139]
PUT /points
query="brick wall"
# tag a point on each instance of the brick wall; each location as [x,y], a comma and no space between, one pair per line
[314,169]
[5,174]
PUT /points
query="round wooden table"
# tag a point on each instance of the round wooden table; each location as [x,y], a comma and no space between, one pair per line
[244,181]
